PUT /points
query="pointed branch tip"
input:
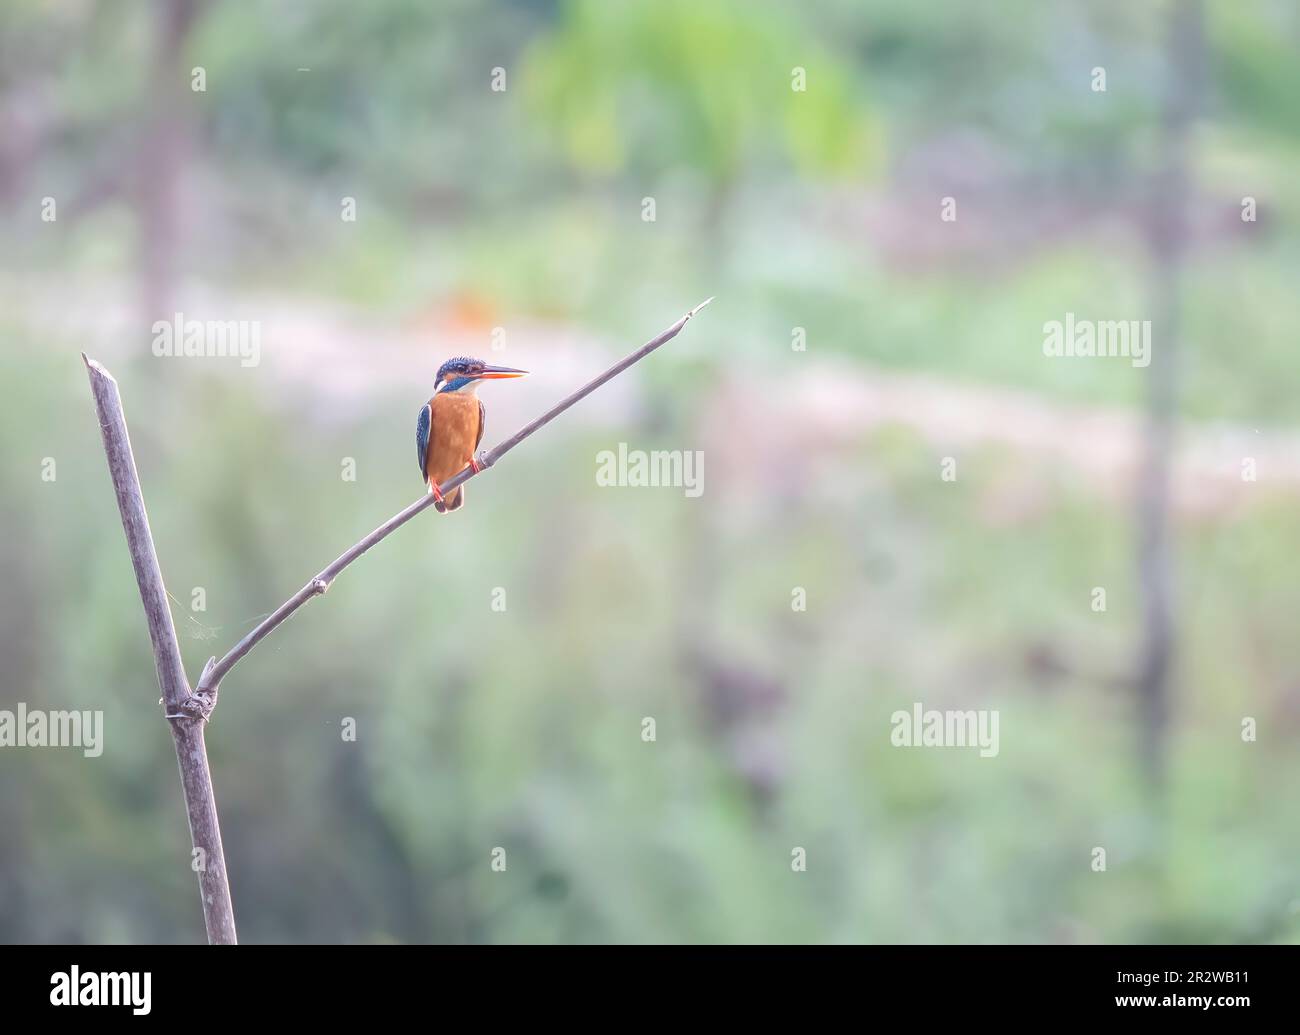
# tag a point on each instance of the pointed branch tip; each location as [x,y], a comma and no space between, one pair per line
[96,368]
[700,306]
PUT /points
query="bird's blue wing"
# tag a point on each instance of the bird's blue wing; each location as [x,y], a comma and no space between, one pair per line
[422,440]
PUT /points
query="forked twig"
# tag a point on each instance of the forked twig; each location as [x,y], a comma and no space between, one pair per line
[188,711]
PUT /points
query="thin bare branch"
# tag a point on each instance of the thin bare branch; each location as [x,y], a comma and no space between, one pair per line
[187,733]
[215,671]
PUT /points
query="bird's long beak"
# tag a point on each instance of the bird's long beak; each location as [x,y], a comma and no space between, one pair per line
[493,373]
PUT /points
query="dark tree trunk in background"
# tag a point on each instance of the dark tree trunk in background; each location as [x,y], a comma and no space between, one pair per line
[1167,240]
[164,158]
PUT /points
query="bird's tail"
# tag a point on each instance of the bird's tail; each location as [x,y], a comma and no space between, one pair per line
[453,500]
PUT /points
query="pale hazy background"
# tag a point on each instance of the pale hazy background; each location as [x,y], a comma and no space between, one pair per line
[522,210]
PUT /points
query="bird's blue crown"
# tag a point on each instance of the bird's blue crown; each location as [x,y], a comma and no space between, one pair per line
[454,371]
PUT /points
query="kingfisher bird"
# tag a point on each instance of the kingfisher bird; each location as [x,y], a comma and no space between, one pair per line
[450,426]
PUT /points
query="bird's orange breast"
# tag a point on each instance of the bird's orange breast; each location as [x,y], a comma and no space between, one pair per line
[453,433]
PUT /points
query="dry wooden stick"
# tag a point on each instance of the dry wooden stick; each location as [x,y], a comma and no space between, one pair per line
[191,752]
[188,711]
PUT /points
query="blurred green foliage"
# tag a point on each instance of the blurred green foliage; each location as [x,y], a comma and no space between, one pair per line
[673,86]
[521,729]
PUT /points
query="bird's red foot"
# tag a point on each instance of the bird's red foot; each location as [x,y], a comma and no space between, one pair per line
[433,491]
[475,466]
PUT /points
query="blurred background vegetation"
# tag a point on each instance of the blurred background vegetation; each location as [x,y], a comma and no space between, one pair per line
[515,216]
